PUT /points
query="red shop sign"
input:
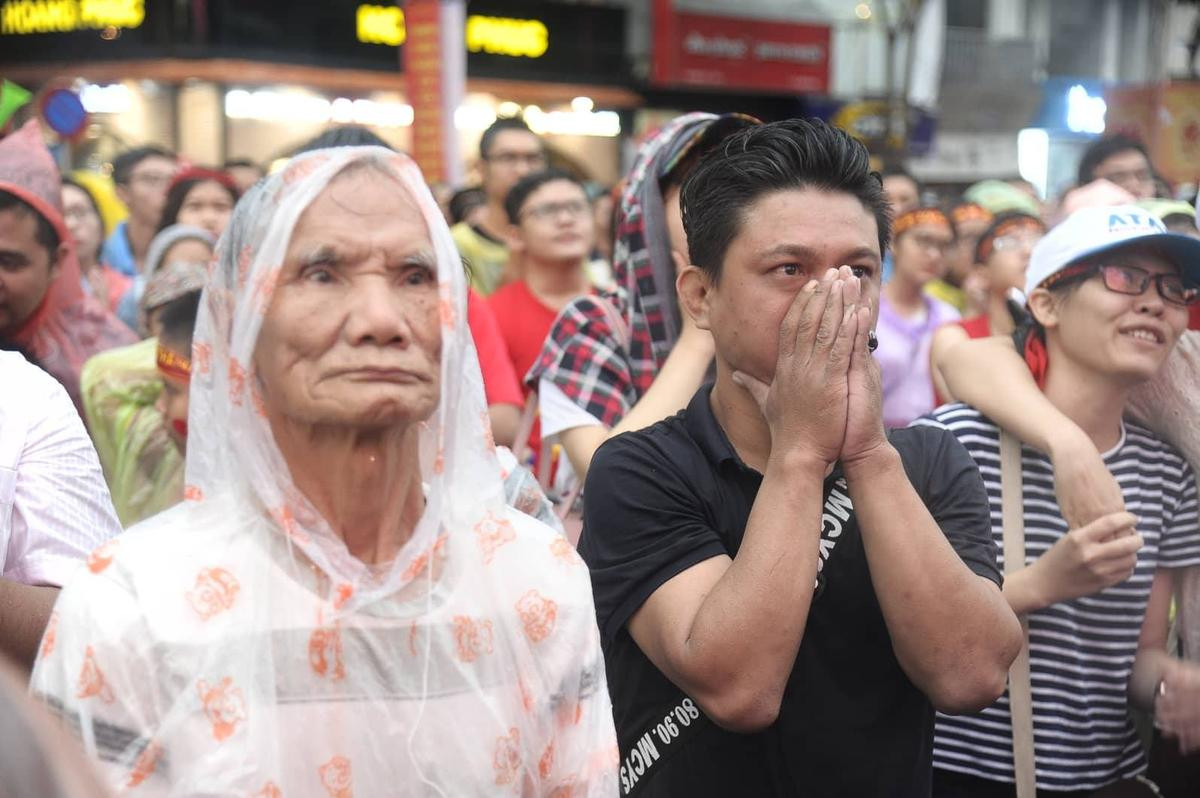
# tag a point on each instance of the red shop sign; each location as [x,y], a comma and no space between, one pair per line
[733,53]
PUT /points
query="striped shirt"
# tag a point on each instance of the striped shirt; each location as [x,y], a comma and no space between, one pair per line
[1081,651]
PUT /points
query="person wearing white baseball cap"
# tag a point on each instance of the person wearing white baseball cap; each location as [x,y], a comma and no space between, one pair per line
[1091,233]
[1108,292]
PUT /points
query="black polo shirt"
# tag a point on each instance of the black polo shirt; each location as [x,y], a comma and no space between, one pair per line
[665,498]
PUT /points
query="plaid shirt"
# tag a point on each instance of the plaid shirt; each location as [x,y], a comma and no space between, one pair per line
[596,363]
[604,352]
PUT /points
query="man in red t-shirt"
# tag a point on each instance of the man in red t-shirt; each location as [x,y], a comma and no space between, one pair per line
[552,231]
[552,228]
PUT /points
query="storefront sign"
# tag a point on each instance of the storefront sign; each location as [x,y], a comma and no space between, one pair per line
[24,17]
[519,38]
[732,53]
[536,40]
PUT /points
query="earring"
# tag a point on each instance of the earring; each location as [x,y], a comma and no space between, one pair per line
[872,341]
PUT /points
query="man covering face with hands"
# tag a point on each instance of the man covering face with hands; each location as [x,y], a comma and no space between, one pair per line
[789,598]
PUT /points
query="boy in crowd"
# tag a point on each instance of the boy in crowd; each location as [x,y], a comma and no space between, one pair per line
[508,151]
[1121,160]
[44,311]
[141,177]
[552,231]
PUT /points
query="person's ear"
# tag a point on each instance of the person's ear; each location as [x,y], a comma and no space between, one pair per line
[694,289]
[58,257]
[514,238]
[982,274]
[1045,307]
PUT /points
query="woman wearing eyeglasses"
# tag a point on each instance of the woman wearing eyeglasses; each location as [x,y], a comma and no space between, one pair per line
[908,317]
[1001,258]
[1108,291]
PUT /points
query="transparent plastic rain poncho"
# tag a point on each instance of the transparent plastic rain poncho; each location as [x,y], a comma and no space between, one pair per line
[232,646]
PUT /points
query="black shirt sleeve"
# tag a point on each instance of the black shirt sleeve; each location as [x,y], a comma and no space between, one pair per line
[643,520]
[949,483]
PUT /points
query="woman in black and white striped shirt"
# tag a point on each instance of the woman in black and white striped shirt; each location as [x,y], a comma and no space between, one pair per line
[1109,291]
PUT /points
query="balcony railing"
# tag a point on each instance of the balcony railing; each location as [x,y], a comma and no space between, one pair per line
[971,57]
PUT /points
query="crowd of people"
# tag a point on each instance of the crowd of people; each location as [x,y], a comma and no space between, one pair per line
[765,472]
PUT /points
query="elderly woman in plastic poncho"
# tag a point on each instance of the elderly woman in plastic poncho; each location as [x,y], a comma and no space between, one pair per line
[343,605]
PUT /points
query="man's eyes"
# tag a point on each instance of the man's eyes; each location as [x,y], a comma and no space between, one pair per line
[795,270]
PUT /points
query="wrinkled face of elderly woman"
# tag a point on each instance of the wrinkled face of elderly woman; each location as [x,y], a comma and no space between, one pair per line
[352,336]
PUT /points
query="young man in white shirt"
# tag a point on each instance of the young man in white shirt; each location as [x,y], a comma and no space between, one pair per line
[54,505]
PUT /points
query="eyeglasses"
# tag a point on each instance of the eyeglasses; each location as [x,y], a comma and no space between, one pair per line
[1132,281]
[1013,241]
[552,210]
[931,244]
[510,159]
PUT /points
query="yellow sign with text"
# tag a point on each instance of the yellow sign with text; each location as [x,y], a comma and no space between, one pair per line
[519,38]
[23,17]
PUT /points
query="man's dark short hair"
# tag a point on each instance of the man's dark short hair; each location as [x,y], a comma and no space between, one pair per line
[792,154]
[519,194]
[465,200]
[45,235]
[126,162]
[896,170]
[1102,149]
[343,136]
[498,127]
[178,321]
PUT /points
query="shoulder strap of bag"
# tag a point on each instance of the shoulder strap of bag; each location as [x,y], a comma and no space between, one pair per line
[1020,694]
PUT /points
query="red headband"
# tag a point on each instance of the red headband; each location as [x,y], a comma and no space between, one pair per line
[172,364]
[970,212]
[913,218]
[199,174]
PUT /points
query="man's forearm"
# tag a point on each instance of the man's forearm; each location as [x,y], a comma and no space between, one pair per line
[952,631]
[749,627]
[24,613]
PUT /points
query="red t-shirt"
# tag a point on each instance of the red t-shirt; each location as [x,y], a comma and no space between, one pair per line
[977,326]
[500,382]
[1194,318]
[524,324]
